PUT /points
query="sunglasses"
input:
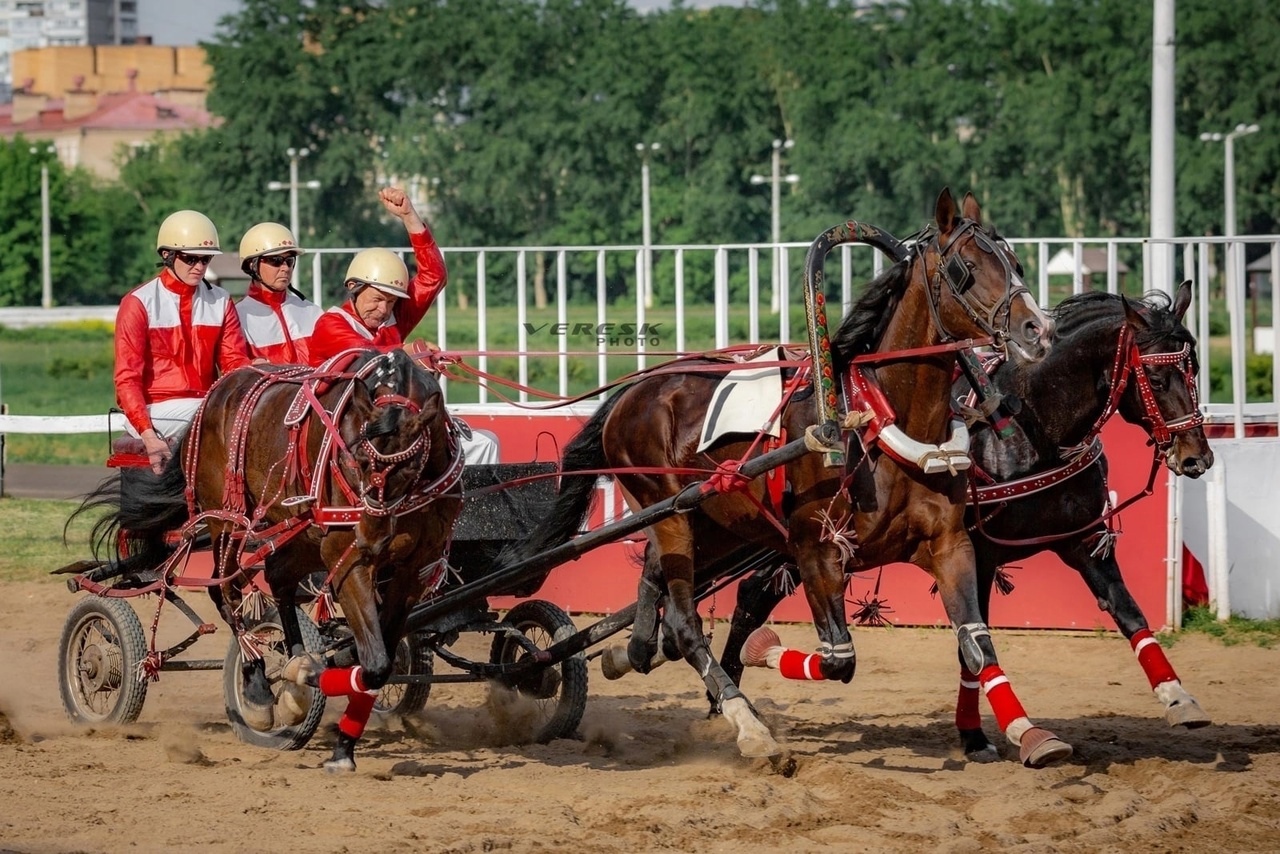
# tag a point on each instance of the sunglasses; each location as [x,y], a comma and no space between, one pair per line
[193,260]
[280,260]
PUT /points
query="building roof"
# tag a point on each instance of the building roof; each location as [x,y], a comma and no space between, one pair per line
[136,111]
[1091,261]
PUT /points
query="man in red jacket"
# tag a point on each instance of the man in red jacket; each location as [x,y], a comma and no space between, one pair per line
[277,320]
[383,306]
[174,335]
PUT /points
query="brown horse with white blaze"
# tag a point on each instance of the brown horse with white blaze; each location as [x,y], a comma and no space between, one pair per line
[959,281]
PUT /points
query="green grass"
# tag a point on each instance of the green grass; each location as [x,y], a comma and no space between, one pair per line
[31,542]
[1236,630]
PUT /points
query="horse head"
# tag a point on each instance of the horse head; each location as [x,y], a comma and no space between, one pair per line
[973,281]
[401,446]
[1163,394]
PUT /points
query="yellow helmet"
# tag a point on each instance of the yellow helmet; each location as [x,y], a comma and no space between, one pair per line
[268,238]
[381,269]
[188,231]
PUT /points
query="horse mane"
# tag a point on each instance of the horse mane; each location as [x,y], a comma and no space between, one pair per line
[865,322]
[1163,328]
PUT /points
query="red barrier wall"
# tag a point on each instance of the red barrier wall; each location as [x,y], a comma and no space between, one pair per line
[1047,594]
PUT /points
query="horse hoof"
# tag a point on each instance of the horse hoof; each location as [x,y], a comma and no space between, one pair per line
[293,705]
[302,670]
[983,755]
[339,766]
[1187,713]
[755,650]
[259,718]
[758,747]
[614,663]
[1040,747]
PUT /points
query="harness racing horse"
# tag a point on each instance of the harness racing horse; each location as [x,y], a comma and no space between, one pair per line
[353,469]
[1045,485]
[959,281]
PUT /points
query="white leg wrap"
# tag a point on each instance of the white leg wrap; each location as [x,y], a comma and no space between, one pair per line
[1172,692]
[1016,730]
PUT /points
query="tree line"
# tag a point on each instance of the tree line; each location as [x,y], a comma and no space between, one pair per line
[519,120]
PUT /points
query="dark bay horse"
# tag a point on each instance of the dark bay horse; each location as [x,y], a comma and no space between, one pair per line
[959,281]
[1045,486]
[352,469]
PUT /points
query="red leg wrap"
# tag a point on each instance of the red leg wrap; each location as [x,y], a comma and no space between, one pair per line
[1152,658]
[795,664]
[342,682]
[968,715]
[353,720]
[1001,697]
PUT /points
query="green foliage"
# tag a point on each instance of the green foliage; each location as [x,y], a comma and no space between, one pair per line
[1235,630]
[518,120]
[1258,380]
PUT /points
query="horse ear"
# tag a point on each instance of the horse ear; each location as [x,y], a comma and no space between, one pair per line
[1182,299]
[944,212]
[972,210]
[1132,316]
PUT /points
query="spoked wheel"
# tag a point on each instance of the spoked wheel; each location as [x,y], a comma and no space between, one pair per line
[99,662]
[559,691]
[296,711]
[414,657]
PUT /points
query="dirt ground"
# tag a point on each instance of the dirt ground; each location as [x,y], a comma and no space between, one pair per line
[875,762]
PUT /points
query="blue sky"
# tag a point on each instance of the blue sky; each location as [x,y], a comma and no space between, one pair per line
[191,21]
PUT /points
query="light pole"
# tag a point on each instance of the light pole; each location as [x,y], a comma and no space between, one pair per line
[293,186]
[1235,276]
[1229,173]
[46,270]
[777,179]
[646,287]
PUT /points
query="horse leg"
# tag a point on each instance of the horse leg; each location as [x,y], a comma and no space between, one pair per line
[955,571]
[646,630]
[673,545]
[1102,574]
[758,594]
[360,683]
[258,708]
[973,739]
[822,573]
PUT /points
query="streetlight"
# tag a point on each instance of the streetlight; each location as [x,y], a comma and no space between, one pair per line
[777,179]
[1235,291]
[46,271]
[646,287]
[1229,173]
[293,186]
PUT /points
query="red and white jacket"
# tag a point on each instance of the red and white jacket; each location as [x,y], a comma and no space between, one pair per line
[173,340]
[277,324]
[340,328]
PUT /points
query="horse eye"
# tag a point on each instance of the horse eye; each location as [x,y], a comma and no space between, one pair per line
[1157,382]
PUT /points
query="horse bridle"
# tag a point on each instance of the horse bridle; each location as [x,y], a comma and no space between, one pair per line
[1131,361]
[372,490]
[952,271]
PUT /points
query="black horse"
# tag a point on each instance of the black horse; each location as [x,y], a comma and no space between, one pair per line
[1111,355]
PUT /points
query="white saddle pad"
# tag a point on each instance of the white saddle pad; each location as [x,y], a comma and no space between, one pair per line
[742,401]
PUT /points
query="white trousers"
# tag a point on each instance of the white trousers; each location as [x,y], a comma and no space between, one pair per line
[480,448]
[169,417]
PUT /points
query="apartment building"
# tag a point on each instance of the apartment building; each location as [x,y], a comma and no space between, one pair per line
[28,24]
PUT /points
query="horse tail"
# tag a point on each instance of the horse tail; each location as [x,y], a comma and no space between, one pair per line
[574,498]
[140,510]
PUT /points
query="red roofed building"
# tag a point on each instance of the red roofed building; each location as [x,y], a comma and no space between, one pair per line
[89,128]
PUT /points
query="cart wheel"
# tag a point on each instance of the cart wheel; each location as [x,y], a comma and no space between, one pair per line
[414,657]
[272,644]
[99,662]
[559,690]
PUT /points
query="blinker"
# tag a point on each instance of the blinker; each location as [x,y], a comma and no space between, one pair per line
[958,274]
